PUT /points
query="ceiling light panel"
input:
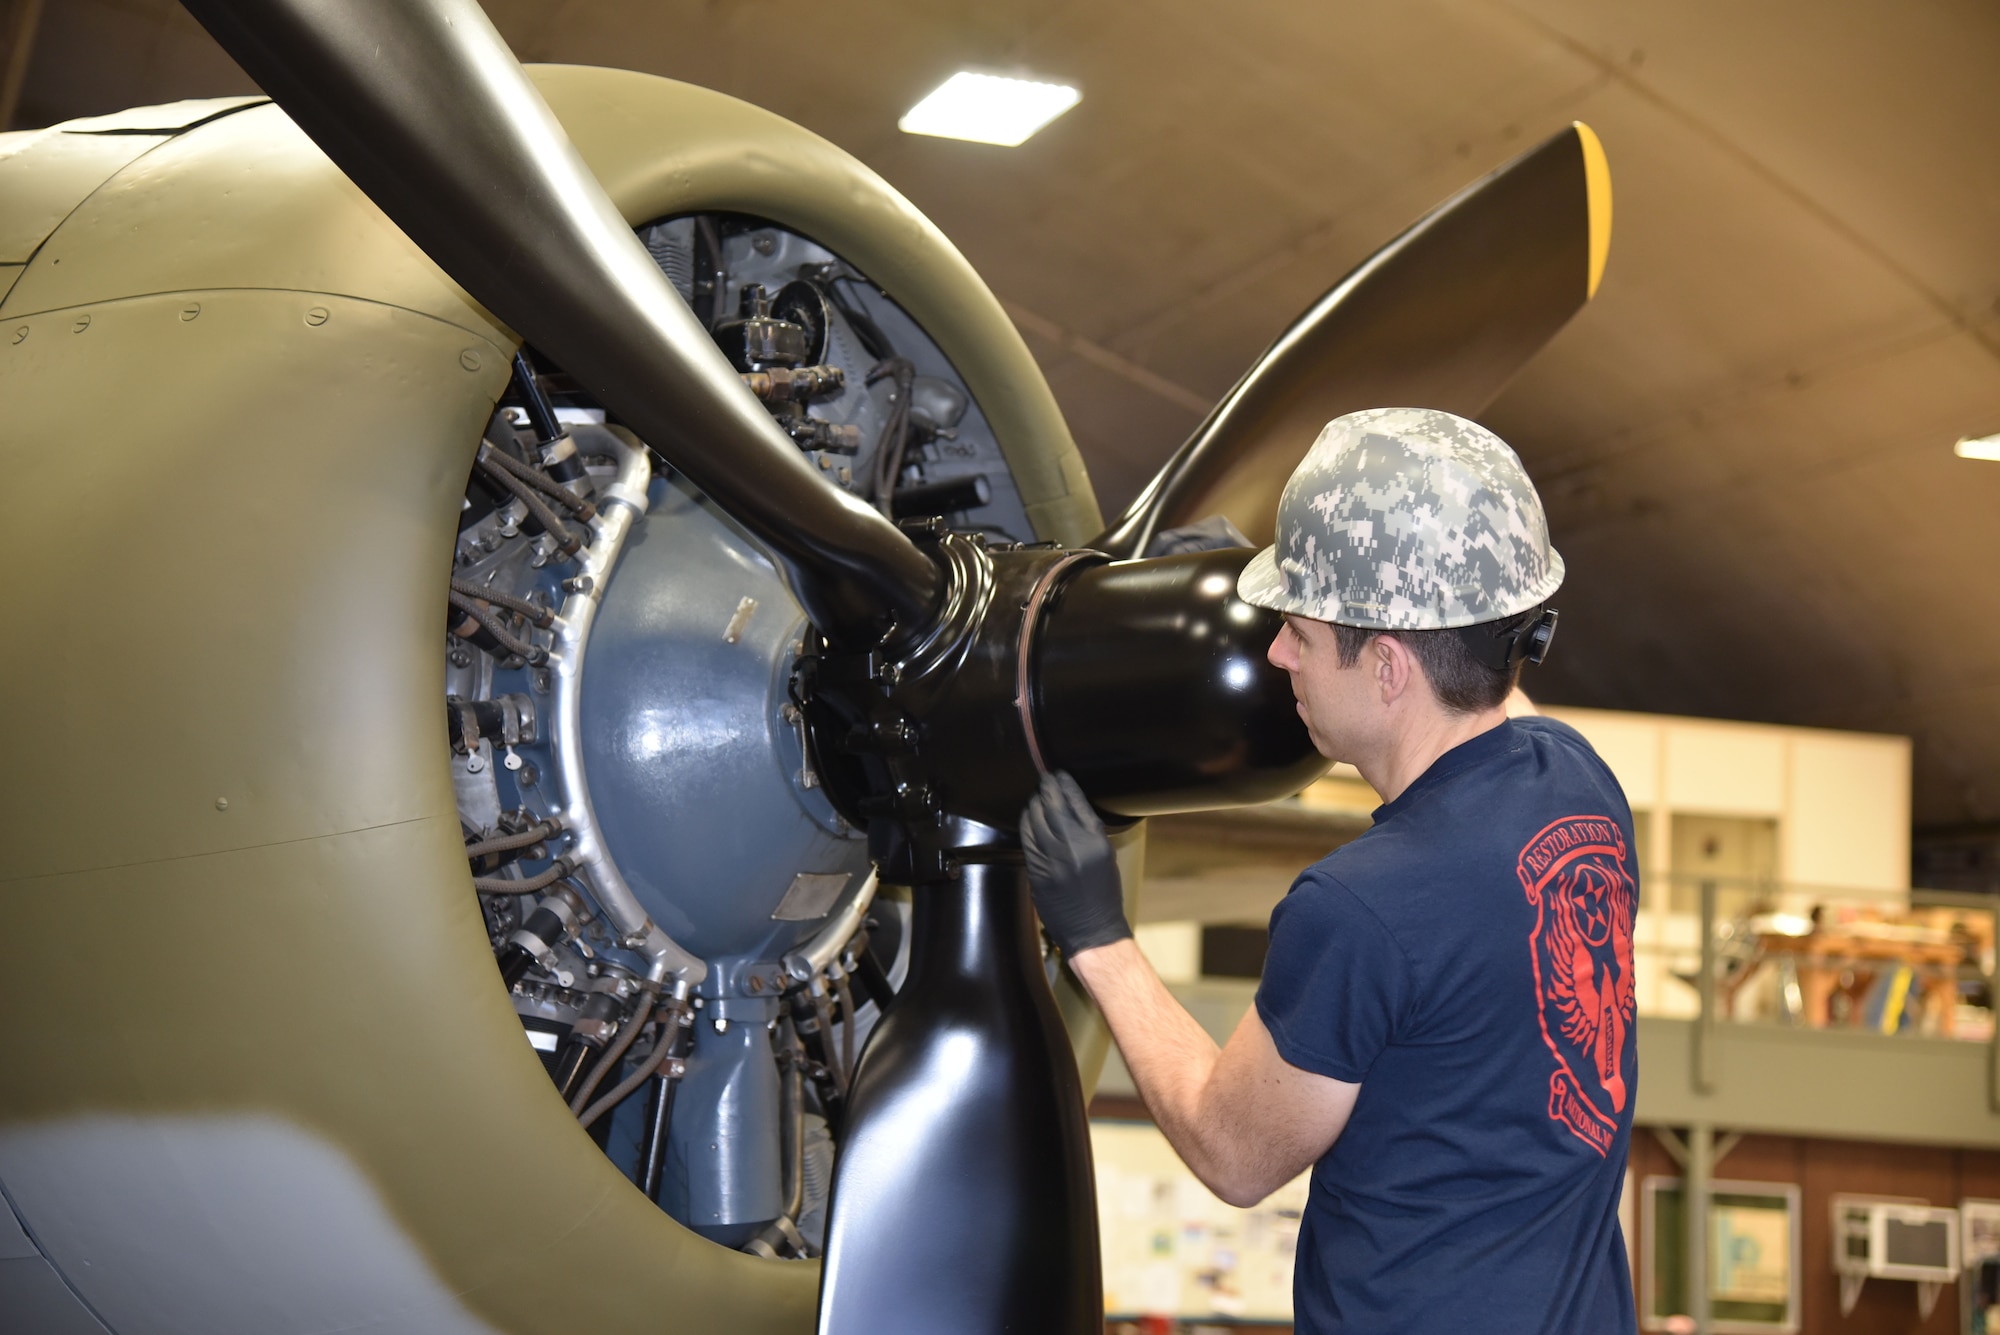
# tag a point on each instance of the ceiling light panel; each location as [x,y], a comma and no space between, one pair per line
[989,108]
[1978,447]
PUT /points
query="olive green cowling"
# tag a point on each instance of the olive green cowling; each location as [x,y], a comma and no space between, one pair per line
[239,411]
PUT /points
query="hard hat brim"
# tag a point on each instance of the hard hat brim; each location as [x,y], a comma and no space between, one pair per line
[1262,584]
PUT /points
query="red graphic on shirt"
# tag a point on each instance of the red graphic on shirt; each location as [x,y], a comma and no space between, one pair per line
[1577,875]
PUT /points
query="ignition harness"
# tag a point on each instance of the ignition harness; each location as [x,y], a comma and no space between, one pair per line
[540,481]
[507,843]
[482,612]
[567,541]
[902,373]
[538,616]
[614,1054]
[663,1052]
[502,885]
[846,996]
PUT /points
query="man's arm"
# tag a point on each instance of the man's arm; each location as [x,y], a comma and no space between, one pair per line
[1242,1117]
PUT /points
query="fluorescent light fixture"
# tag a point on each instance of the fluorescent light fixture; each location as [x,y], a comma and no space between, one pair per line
[1978,447]
[988,108]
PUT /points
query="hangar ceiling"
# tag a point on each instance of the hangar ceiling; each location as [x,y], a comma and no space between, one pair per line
[1745,443]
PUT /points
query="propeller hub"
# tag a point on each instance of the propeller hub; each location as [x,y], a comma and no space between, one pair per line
[1146,680]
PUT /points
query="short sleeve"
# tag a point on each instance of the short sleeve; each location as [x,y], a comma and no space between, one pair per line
[1335,984]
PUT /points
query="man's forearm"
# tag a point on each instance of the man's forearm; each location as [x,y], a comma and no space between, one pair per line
[1242,1117]
[1170,1056]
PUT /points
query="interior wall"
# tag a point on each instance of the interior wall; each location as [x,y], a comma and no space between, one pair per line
[1823,1169]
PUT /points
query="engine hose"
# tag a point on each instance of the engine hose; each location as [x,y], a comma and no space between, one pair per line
[659,1120]
[660,1107]
[507,843]
[846,1026]
[868,970]
[612,1055]
[465,626]
[515,961]
[778,1240]
[663,1051]
[823,1010]
[490,623]
[792,1118]
[569,1065]
[536,478]
[540,419]
[805,1023]
[873,340]
[539,616]
[552,924]
[600,1013]
[568,542]
[895,430]
[502,885]
[805,1015]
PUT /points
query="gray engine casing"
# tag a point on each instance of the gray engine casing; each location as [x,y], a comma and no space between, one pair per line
[698,777]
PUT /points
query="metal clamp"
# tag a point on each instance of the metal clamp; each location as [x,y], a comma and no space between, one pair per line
[1031,611]
[809,960]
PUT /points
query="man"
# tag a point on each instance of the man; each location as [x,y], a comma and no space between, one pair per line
[1443,1032]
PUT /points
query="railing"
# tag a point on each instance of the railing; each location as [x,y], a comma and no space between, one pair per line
[1721,949]
[1741,952]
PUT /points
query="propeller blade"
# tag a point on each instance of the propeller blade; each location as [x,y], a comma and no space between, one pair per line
[1441,317]
[966,1138]
[423,106]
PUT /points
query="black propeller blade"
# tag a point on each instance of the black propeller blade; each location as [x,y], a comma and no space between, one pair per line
[1441,317]
[964,1198]
[421,103]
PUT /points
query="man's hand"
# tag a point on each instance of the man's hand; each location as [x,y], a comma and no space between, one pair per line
[1072,868]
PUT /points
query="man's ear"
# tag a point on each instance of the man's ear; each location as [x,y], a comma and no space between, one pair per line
[1393,666]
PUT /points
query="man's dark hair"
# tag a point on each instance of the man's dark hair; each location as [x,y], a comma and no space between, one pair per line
[1461,682]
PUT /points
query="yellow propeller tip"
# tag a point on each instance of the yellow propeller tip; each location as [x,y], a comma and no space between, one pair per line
[1597,187]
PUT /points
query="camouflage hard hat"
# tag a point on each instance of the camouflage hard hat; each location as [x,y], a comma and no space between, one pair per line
[1406,519]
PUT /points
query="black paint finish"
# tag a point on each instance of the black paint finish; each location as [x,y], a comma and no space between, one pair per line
[963,1199]
[1153,689]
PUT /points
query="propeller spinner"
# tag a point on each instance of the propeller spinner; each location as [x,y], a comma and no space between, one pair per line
[950,673]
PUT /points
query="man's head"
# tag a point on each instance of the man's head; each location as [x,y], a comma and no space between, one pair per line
[1358,688]
[1411,549]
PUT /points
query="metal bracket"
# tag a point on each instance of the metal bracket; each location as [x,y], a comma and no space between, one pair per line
[1850,1290]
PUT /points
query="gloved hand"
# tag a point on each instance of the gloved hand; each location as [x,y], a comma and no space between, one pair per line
[1071,868]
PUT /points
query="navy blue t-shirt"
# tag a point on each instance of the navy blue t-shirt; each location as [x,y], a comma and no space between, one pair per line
[1468,962]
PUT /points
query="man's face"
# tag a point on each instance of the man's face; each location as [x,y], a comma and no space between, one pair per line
[1340,705]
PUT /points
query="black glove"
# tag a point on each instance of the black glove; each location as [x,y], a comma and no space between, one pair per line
[1071,868]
